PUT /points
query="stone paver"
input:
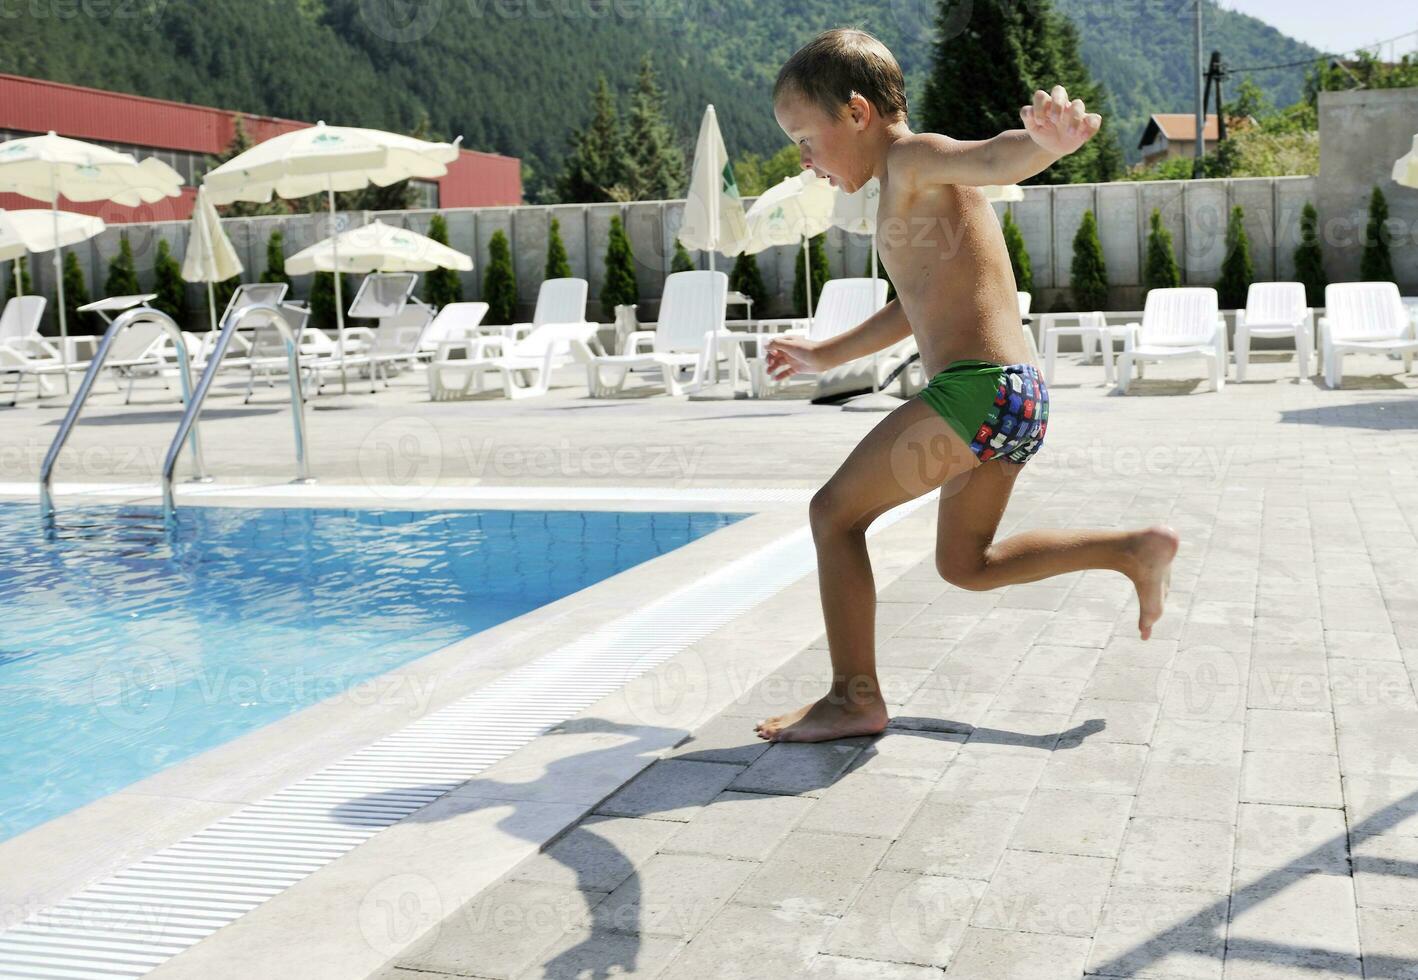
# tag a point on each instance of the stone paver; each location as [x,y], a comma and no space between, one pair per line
[1234,799]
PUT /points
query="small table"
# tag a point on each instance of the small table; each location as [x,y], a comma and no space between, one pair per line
[103,307]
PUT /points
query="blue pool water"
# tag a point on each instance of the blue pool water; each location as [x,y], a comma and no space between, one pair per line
[123,651]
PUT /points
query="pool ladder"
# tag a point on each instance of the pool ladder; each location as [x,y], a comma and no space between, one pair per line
[193,400]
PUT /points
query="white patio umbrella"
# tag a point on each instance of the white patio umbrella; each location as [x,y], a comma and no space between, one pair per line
[33,230]
[792,211]
[50,166]
[714,219]
[1405,168]
[329,159]
[1003,192]
[377,247]
[210,256]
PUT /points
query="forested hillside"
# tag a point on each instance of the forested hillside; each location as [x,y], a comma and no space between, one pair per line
[517,83]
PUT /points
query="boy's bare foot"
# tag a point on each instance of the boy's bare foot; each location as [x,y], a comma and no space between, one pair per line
[1152,552]
[823,720]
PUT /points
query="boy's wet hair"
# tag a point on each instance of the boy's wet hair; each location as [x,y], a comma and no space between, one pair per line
[836,63]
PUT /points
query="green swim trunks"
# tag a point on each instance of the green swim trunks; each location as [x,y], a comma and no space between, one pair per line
[998,409]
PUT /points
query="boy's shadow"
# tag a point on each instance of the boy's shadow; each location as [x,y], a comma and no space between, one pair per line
[600,867]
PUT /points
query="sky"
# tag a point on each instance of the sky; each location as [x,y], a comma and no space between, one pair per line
[1317,22]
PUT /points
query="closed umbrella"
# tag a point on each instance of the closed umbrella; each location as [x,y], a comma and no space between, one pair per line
[329,159]
[377,247]
[1405,168]
[46,167]
[33,230]
[210,256]
[714,219]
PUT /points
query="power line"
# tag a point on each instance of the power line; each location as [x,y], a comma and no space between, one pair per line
[1322,55]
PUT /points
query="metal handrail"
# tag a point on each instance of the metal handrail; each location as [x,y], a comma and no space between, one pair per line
[121,323]
[194,406]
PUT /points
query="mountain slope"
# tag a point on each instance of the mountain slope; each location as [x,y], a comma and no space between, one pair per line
[516,83]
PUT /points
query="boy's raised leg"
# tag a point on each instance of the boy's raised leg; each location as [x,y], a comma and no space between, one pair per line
[909,453]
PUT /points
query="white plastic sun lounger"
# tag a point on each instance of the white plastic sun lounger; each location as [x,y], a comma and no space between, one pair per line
[680,346]
[1275,309]
[1182,322]
[1363,317]
[519,369]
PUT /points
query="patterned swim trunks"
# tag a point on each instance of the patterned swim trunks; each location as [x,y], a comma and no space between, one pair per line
[998,409]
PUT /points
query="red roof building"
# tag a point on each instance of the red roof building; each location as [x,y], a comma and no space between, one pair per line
[183,136]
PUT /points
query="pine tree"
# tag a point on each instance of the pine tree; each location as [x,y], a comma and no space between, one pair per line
[990,57]
[1160,270]
[500,280]
[1018,255]
[76,293]
[122,276]
[817,259]
[558,266]
[441,286]
[657,162]
[1376,264]
[1088,274]
[745,278]
[1309,258]
[169,285]
[683,262]
[596,170]
[1237,270]
[276,259]
[619,287]
[26,283]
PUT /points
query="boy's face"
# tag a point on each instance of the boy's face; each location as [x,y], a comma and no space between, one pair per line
[825,145]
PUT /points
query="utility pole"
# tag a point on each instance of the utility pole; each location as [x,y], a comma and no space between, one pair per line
[1200,100]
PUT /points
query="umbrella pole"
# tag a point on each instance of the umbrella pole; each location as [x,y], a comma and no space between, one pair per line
[212,306]
[59,280]
[339,300]
[807,278]
[19,279]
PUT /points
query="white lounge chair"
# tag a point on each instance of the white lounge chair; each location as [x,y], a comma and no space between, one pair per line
[520,368]
[1091,328]
[455,321]
[136,350]
[842,305]
[1363,317]
[1181,322]
[558,301]
[681,345]
[19,322]
[1275,309]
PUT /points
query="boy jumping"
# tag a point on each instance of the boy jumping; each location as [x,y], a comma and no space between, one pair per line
[841,100]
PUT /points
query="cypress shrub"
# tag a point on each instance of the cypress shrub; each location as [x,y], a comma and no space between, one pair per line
[746,278]
[76,294]
[122,275]
[682,262]
[1088,278]
[27,284]
[1376,264]
[276,260]
[1237,270]
[323,314]
[619,287]
[500,280]
[1018,255]
[1309,259]
[1160,270]
[441,286]
[817,259]
[169,285]
[558,265]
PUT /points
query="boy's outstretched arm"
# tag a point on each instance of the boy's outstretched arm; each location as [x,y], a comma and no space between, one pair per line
[1054,126]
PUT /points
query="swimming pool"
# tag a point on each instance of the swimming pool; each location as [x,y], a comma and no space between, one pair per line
[124,651]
